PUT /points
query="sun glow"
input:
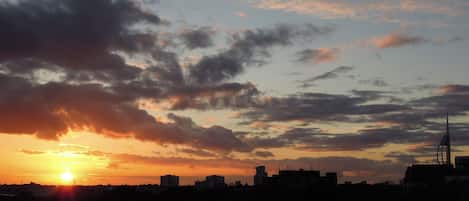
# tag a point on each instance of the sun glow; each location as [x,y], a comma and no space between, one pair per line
[66,177]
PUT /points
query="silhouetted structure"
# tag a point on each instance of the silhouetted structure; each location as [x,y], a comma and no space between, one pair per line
[431,175]
[297,179]
[169,181]
[426,174]
[294,179]
[462,162]
[211,182]
[260,176]
[443,154]
[330,178]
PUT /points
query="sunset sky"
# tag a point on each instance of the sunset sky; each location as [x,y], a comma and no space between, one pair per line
[123,91]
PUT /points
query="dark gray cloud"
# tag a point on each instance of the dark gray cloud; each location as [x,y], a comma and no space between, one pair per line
[77,35]
[327,75]
[374,82]
[198,38]
[264,154]
[197,152]
[215,137]
[48,111]
[317,107]
[222,96]
[419,121]
[85,43]
[250,48]
[314,139]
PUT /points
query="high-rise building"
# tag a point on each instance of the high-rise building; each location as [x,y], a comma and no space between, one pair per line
[169,181]
[260,176]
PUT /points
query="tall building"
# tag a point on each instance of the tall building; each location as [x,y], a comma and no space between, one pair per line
[260,176]
[169,181]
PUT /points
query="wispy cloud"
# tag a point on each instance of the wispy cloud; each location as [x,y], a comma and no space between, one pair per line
[365,9]
[327,75]
[397,40]
[316,56]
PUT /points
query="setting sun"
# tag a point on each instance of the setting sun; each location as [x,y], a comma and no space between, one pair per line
[66,177]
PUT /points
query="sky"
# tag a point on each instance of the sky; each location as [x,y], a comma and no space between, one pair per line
[123,91]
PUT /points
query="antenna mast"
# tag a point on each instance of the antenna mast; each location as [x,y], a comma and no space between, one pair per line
[448,148]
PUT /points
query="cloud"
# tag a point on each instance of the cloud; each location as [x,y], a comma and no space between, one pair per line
[397,40]
[452,101]
[314,139]
[82,46]
[328,75]
[365,9]
[310,107]
[374,82]
[79,36]
[49,111]
[197,152]
[264,154]
[225,95]
[198,38]
[409,122]
[32,152]
[454,89]
[316,56]
[242,14]
[250,48]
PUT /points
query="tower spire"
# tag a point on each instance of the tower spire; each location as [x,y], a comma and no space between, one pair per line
[448,148]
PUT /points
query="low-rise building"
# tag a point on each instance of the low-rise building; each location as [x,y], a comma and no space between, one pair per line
[211,182]
[169,181]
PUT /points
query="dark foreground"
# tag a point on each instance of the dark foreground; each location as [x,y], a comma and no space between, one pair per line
[379,192]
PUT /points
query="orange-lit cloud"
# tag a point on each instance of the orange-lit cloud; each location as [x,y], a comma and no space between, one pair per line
[453,89]
[363,9]
[396,40]
[241,14]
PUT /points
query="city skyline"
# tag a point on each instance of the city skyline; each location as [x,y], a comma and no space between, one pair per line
[125,91]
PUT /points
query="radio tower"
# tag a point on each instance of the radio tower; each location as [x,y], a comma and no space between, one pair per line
[448,146]
[444,148]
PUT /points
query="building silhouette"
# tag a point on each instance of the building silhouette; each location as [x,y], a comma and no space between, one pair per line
[211,182]
[462,162]
[169,181]
[260,176]
[330,178]
[294,179]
